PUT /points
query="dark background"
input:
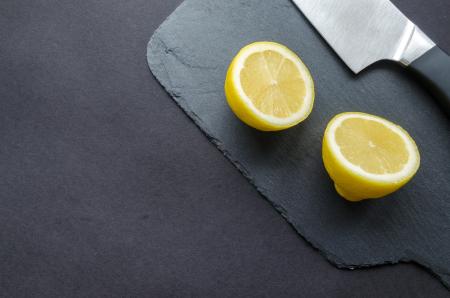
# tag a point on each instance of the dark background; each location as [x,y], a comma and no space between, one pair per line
[108,190]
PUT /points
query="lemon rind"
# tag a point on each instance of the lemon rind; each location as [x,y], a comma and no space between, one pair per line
[295,118]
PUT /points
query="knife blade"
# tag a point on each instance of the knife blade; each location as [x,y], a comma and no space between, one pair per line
[363,32]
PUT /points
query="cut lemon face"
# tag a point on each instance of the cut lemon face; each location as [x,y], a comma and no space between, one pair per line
[367,156]
[268,87]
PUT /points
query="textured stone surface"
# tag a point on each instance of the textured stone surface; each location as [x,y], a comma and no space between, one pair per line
[189,55]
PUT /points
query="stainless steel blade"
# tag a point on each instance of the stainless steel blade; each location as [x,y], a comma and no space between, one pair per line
[362,32]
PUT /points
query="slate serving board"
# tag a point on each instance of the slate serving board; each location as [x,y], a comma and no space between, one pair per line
[189,55]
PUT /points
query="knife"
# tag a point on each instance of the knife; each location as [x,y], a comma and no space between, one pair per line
[363,32]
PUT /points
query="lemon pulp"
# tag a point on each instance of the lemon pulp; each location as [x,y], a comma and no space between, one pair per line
[371,146]
[273,84]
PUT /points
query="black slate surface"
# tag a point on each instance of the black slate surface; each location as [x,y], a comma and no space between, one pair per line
[107,189]
[189,55]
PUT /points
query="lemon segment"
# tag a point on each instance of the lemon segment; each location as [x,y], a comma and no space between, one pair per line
[367,156]
[268,87]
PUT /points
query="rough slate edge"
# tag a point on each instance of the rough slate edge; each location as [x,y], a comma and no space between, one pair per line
[329,256]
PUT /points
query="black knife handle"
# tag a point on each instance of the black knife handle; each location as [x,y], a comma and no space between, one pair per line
[433,69]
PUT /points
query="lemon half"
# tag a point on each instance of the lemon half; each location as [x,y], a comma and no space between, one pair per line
[367,156]
[268,87]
